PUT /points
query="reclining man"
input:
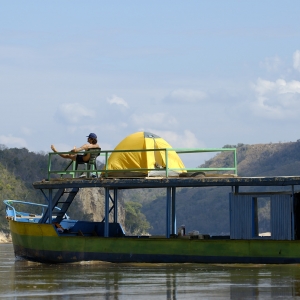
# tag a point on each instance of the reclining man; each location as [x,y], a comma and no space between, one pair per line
[81,158]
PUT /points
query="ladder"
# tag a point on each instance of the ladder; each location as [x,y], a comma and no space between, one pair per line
[57,199]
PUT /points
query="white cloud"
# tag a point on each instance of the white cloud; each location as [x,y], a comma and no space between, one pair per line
[296,60]
[117,100]
[271,64]
[279,99]
[190,140]
[154,120]
[280,86]
[187,139]
[11,141]
[74,113]
[185,96]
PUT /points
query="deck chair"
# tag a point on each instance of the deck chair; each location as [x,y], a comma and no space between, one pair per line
[91,164]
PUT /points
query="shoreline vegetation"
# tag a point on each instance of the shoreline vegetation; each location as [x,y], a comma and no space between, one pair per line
[5,238]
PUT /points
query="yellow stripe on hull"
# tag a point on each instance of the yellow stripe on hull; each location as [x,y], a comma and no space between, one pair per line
[32,229]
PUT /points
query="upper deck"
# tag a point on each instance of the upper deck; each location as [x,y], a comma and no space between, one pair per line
[161,182]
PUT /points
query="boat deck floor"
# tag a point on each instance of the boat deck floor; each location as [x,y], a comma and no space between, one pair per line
[160,182]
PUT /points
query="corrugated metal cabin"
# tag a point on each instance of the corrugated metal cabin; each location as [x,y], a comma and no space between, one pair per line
[284,215]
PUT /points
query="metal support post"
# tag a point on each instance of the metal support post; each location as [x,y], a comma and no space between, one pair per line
[173,210]
[50,206]
[115,205]
[106,208]
[293,212]
[168,212]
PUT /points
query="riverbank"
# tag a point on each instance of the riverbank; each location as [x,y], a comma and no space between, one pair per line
[5,237]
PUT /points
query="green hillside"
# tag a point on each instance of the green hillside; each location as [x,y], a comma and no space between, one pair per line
[25,165]
[10,188]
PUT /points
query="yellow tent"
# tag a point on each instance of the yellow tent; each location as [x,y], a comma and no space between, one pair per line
[144,159]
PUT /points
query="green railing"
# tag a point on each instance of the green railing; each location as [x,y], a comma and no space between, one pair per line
[106,153]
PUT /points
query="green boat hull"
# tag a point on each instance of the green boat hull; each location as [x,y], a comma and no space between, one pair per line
[41,243]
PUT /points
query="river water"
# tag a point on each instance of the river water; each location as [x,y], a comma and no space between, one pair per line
[27,280]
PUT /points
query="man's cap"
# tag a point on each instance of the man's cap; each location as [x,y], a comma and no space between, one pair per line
[92,136]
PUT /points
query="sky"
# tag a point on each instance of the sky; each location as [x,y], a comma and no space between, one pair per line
[200,74]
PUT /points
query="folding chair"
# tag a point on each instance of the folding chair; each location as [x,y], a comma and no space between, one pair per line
[91,164]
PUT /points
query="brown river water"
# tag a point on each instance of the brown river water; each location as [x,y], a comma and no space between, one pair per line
[99,280]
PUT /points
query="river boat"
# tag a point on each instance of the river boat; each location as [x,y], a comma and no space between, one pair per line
[46,234]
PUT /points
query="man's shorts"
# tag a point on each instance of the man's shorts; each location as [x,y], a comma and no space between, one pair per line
[79,159]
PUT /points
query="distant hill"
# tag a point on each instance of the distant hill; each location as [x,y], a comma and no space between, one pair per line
[207,209]
[10,188]
[25,165]
[280,159]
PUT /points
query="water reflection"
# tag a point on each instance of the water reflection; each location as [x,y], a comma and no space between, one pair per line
[263,282]
[95,279]
[21,280]
[171,286]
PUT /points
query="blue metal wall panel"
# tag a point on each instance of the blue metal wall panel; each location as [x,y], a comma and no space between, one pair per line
[281,217]
[241,216]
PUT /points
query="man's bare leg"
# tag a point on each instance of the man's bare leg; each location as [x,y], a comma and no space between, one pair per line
[70,156]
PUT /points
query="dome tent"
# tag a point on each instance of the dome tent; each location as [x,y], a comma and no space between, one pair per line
[143,159]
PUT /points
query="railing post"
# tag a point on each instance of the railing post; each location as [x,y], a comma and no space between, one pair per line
[106,159]
[74,169]
[235,162]
[49,165]
[167,163]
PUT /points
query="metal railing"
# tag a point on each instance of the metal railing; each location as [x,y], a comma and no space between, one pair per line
[14,214]
[105,172]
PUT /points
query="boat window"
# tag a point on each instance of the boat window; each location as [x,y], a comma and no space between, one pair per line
[262,215]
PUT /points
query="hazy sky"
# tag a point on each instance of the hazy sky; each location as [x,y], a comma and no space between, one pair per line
[197,73]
